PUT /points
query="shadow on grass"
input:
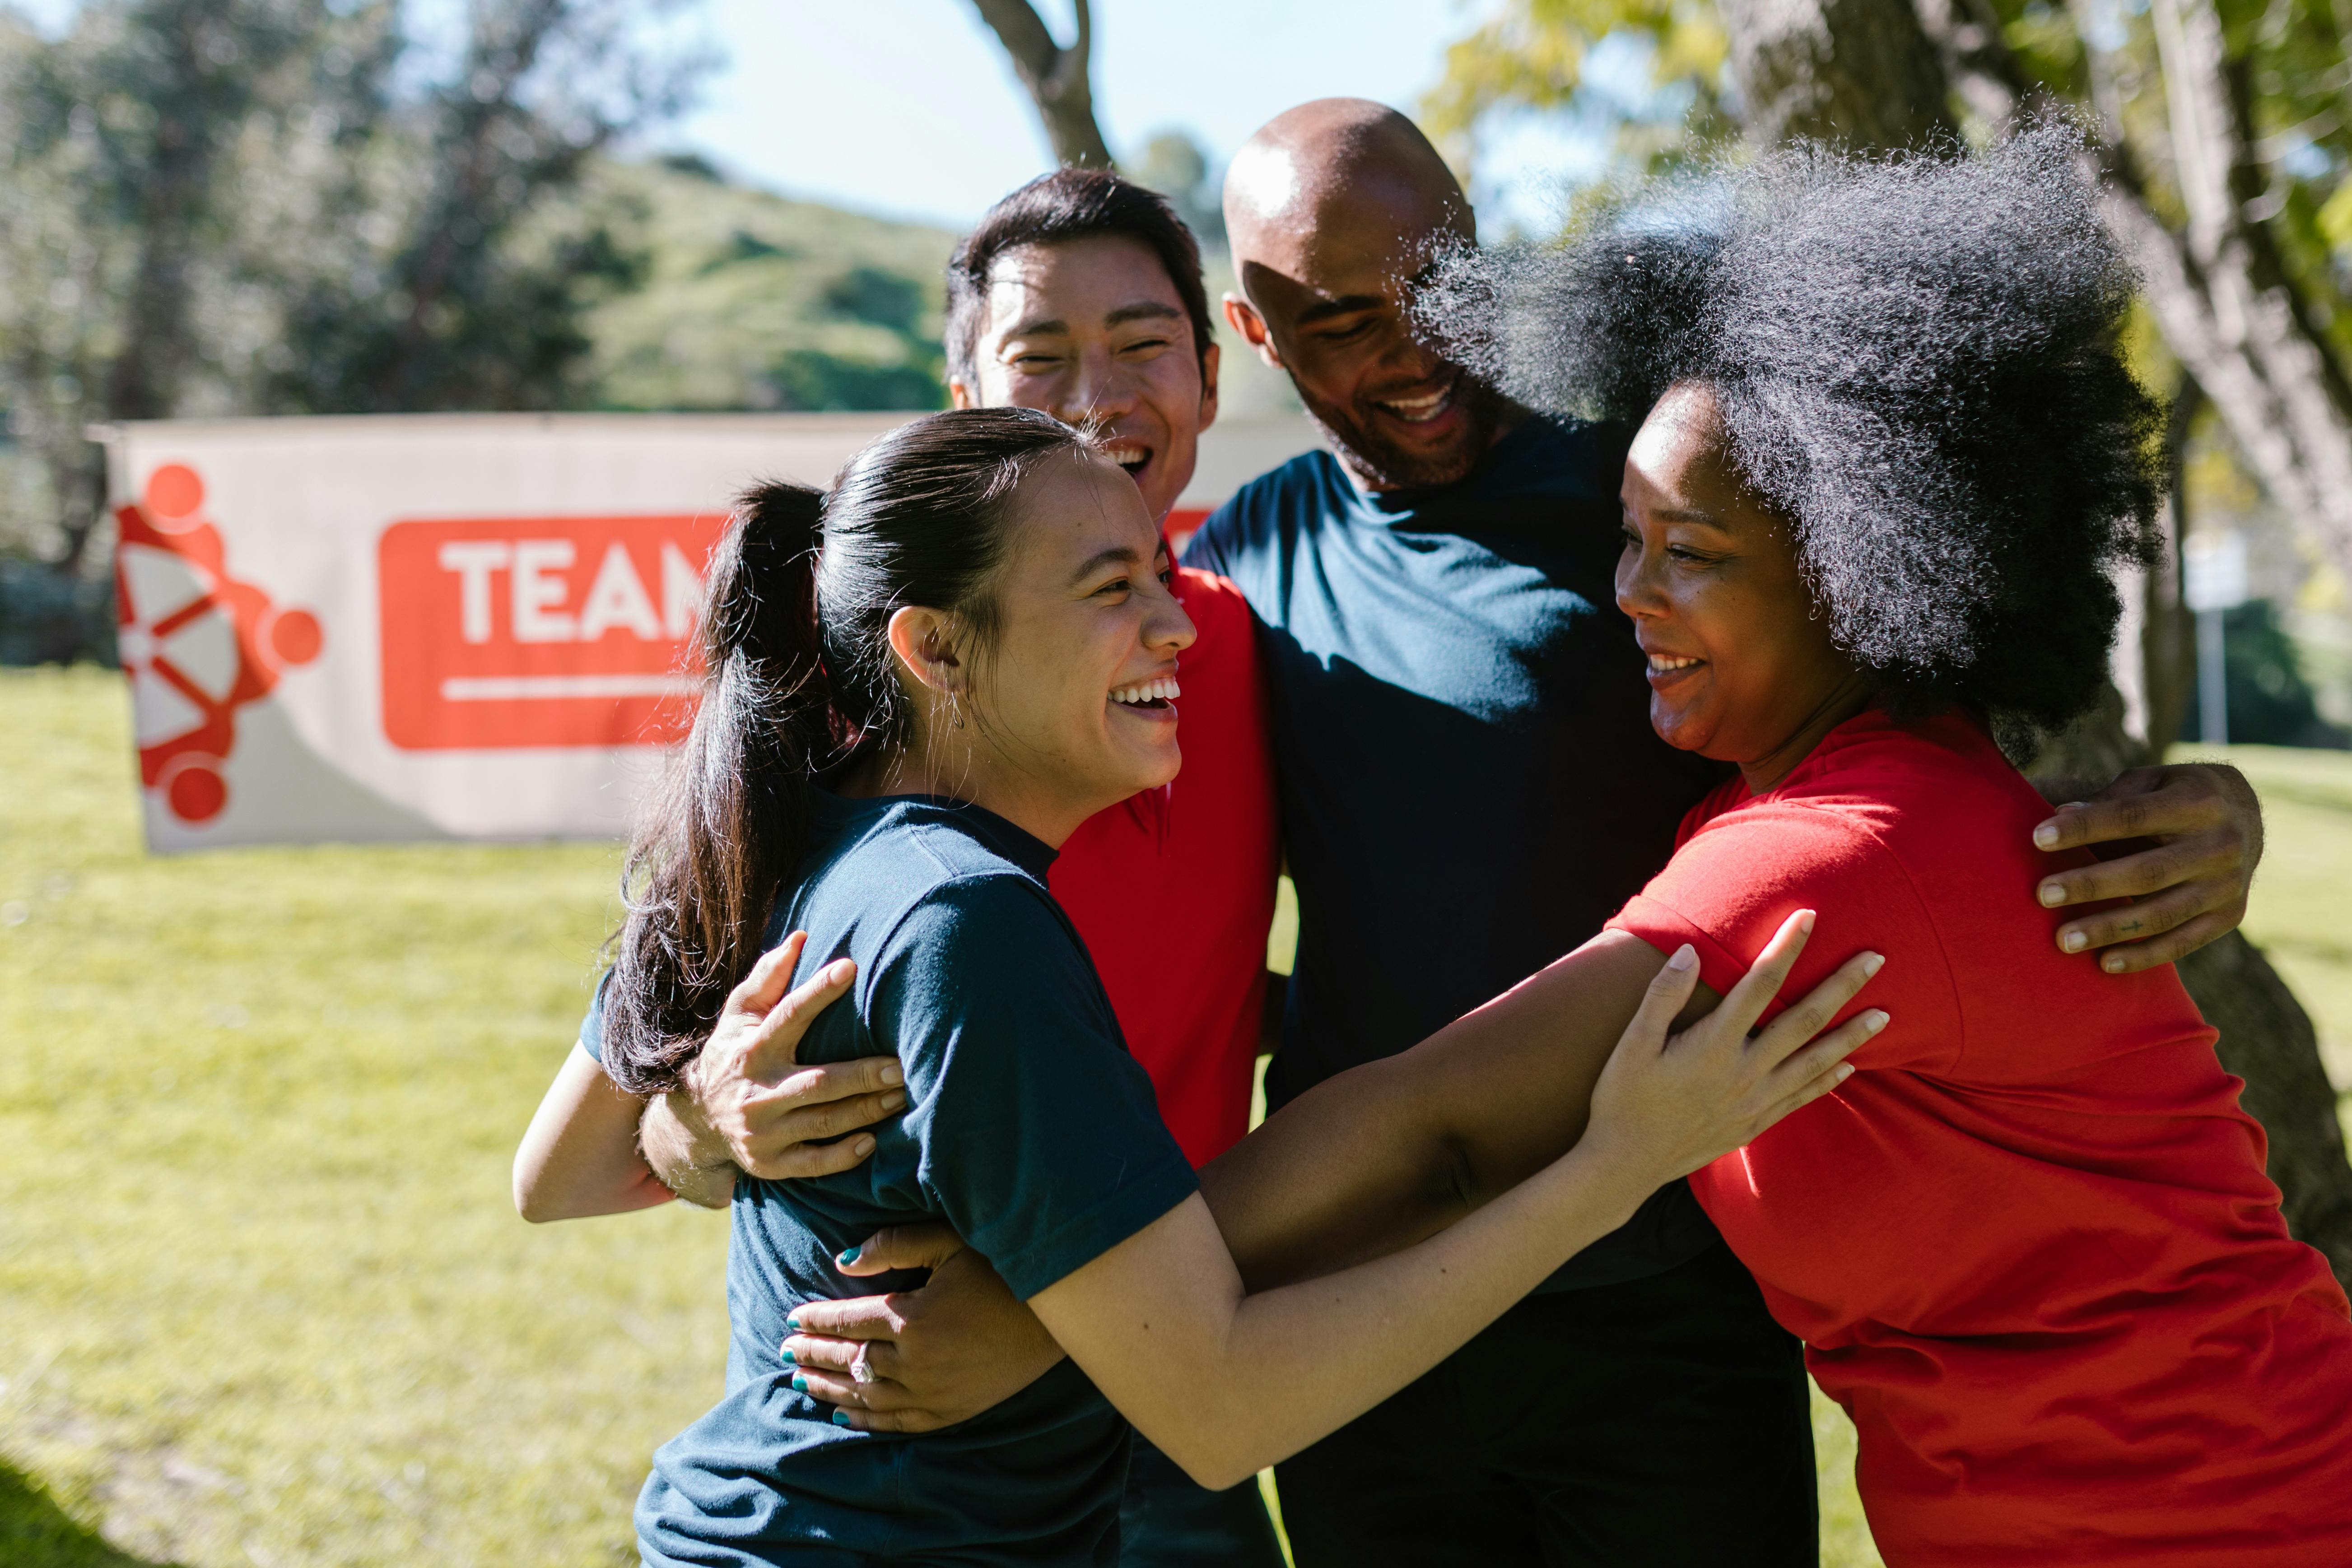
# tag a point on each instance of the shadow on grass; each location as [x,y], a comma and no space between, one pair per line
[35,1532]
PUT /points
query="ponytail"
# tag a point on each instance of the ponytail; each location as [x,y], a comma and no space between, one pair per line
[732,815]
[797,676]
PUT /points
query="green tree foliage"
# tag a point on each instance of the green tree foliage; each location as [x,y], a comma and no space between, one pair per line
[2270,701]
[1531,55]
[1172,163]
[242,206]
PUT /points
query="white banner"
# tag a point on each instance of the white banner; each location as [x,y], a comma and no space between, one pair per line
[444,627]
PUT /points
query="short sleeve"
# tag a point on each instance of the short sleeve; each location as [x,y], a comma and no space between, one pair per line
[1738,876]
[591,1027]
[1209,549]
[1040,1140]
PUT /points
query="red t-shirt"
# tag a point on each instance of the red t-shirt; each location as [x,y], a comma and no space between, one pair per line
[2029,1245]
[1174,889]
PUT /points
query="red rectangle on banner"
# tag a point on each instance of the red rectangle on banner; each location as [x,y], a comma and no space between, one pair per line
[539,631]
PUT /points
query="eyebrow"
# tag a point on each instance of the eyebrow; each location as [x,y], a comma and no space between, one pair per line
[1052,326]
[1685,514]
[1120,555]
[1347,304]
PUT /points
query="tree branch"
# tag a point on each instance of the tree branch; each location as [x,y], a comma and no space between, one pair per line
[1058,79]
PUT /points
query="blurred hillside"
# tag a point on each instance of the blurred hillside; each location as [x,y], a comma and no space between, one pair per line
[748,300]
[743,299]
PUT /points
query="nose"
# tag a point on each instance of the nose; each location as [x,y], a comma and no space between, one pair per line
[1166,627]
[1638,592]
[1102,389]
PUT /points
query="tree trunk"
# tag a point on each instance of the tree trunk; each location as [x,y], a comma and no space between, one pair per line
[1056,78]
[1851,70]
[144,381]
[2267,1039]
[1857,72]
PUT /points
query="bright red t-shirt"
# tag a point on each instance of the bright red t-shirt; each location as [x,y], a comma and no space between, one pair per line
[2029,1245]
[1174,889]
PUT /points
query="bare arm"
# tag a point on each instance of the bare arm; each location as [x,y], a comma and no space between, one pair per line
[580,1155]
[2180,842]
[1373,1160]
[1226,1383]
[1396,1150]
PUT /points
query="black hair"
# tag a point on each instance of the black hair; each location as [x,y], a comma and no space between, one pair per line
[797,677]
[1919,363]
[1052,209]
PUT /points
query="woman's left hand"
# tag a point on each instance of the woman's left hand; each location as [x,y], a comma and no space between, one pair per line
[2202,830]
[914,1360]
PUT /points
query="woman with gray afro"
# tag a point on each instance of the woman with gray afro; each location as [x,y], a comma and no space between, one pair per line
[1889,451]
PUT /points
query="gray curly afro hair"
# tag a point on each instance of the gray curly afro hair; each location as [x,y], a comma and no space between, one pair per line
[1917,364]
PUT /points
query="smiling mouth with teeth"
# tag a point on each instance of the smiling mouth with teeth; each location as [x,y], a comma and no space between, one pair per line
[1159,694]
[1661,663]
[1128,456]
[1418,410]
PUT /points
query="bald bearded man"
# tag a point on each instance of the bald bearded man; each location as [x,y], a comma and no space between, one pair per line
[1470,788]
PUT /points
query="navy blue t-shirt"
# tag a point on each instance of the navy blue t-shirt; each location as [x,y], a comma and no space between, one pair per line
[1470,784]
[1028,1128]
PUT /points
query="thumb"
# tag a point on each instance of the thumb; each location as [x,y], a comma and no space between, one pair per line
[901,1246]
[763,988]
[1670,991]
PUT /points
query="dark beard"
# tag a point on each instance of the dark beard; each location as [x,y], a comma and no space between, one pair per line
[1382,463]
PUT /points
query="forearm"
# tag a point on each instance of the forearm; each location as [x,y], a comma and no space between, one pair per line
[1229,1390]
[693,1162]
[1384,1155]
[579,1157]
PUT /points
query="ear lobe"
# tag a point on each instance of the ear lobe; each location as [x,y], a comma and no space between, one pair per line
[1243,317]
[1209,363]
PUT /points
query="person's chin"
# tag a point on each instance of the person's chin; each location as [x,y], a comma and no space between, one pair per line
[1432,452]
[1678,726]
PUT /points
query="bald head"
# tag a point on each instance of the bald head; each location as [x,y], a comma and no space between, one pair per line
[1328,171]
[1334,210]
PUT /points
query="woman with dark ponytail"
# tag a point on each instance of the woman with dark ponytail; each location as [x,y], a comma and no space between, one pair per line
[915,688]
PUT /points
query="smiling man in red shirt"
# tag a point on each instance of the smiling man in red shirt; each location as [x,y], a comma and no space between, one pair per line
[1080,294]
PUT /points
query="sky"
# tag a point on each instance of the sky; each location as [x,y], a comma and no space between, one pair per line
[911,107]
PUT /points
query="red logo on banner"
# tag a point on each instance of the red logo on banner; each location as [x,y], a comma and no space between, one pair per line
[197,644]
[565,631]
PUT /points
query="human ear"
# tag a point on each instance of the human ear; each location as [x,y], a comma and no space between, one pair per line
[1209,362]
[923,640]
[961,396]
[1243,317]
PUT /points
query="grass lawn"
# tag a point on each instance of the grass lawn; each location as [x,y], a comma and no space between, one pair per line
[263,1301]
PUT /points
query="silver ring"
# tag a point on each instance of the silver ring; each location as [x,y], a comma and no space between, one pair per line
[861,1366]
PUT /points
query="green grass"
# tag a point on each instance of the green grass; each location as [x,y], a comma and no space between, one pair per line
[263,1301]
[263,1298]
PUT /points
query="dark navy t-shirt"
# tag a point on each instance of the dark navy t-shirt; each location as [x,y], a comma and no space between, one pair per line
[1029,1129]
[1470,784]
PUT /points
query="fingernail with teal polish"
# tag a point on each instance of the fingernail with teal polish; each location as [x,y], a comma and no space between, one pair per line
[800,1384]
[791,1357]
[849,1255]
[841,1417]
[793,1325]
